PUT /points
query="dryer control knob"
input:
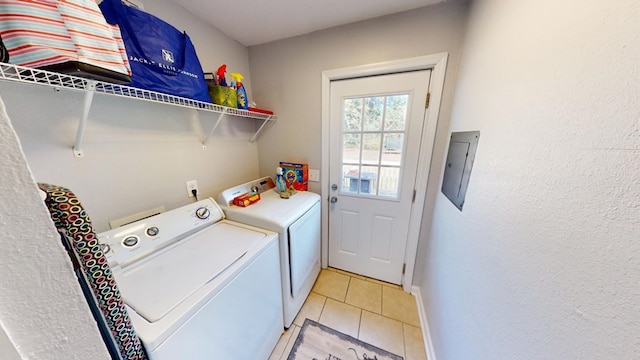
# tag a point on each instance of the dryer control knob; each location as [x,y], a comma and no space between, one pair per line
[203,213]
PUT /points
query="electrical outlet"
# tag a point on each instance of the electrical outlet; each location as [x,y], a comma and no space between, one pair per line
[191,185]
[314,175]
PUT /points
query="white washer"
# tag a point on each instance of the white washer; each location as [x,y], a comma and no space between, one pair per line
[197,286]
[297,221]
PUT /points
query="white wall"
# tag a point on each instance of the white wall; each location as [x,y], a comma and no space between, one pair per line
[287,74]
[43,314]
[138,155]
[544,260]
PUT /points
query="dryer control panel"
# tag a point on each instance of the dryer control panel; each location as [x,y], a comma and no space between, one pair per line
[256,186]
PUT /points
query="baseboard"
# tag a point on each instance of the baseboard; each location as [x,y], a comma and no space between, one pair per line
[426,334]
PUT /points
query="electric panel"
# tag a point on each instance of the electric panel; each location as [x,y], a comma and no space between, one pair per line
[462,151]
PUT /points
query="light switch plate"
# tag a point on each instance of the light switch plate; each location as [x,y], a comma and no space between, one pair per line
[314,175]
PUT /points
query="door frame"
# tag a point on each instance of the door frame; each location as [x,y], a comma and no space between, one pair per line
[438,65]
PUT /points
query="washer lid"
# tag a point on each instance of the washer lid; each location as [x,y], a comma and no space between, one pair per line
[157,285]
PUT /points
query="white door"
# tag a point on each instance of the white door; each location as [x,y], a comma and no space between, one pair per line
[375,132]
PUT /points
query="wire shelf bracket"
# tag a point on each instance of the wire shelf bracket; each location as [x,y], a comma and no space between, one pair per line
[255,136]
[89,91]
[215,125]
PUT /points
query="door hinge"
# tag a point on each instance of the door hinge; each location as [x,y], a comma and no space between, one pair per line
[414,196]
[404,268]
[426,105]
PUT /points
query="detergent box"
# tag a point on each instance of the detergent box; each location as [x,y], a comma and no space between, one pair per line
[296,175]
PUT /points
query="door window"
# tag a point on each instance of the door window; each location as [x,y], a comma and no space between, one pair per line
[373,133]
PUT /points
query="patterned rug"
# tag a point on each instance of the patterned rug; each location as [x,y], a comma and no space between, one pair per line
[319,342]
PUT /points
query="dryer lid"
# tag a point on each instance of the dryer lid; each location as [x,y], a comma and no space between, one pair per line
[158,284]
[273,212]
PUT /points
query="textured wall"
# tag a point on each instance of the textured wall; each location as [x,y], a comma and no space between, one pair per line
[544,260]
[42,308]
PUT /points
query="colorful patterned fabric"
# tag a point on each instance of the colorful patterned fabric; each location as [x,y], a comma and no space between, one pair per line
[73,222]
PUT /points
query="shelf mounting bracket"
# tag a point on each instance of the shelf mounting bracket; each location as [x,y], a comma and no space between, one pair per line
[215,125]
[255,136]
[90,90]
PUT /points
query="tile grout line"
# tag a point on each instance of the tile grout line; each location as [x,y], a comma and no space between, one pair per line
[404,341]
[381,300]
[324,303]
[347,291]
[357,307]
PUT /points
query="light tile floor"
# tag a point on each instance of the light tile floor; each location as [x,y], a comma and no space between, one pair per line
[373,311]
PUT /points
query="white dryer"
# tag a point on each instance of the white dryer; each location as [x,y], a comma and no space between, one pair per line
[297,221]
[198,286]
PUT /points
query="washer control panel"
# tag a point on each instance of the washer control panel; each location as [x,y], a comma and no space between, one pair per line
[132,242]
[152,231]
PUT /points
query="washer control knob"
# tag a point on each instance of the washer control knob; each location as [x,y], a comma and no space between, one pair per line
[203,213]
[105,248]
[130,241]
[152,231]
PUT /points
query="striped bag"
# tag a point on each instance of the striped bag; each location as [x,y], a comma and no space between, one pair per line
[92,36]
[34,33]
[46,33]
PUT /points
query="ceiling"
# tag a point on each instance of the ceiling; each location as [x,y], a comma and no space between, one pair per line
[253,22]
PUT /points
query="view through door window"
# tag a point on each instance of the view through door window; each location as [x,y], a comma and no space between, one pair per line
[373,136]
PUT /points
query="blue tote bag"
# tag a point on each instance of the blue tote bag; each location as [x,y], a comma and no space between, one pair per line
[162,58]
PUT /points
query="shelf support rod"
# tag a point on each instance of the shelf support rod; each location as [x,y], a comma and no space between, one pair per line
[90,90]
[220,116]
[255,136]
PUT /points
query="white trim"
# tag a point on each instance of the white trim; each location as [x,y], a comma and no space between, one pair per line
[438,65]
[424,325]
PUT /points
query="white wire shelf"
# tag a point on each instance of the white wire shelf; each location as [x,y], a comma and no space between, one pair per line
[27,75]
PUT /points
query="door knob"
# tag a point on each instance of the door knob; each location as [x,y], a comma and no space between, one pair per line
[333,200]
[334,187]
